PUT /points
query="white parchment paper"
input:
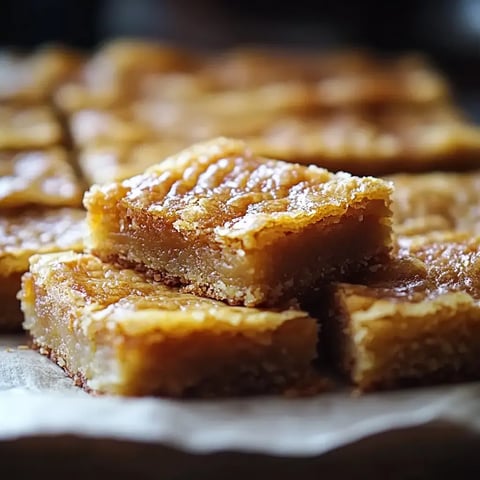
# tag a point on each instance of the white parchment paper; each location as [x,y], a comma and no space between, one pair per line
[37,399]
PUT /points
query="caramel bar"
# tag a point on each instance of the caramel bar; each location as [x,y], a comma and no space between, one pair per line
[236,227]
[115,332]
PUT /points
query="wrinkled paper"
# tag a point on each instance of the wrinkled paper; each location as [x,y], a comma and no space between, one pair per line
[36,398]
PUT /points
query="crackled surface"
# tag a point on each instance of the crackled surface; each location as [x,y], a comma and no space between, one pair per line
[416,318]
[381,141]
[135,337]
[42,177]
[28,127]
[229,224]
[436,202]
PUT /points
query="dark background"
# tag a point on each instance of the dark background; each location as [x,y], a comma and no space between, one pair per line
[447,30]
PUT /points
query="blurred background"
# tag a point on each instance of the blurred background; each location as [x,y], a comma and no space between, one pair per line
[447,30]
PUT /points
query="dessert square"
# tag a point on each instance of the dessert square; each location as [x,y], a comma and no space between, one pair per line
[42,177]
[154,121]
[436,201]
[375,142]
[31,79]
[24,128]
[116,332]
[414,320]
[116,72]
[240,228]
[24,233]
[114,162]
[340,79]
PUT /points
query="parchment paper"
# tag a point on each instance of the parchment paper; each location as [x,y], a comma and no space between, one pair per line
[37,399]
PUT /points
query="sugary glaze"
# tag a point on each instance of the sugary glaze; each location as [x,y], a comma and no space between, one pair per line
[436,202]
[376,141]
[24,233]
[114,162]
[221,188]
[28,127]
[42,177]
[116,332]
[32,78]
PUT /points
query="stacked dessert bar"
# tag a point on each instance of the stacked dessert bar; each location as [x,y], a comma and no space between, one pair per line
[222,254]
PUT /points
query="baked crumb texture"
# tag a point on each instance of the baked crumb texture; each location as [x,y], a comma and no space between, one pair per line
[235,227]
[415,320]
[116,332]
[24,233]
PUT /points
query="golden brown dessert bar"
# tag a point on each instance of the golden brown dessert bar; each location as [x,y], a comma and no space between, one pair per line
[24,128]
[375,142]
[116,72]
[143,122]
[25,233]
[437,201]
[414,320]
[114,162]
[42,177]
[31,79]
[340,79]
[116,332]
[240,228]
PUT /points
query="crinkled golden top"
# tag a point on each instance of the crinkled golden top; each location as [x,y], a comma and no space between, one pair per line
[378,135]
[42,177]
[219,187]
[436,202]
[36,231]
[426,266]
[121,298]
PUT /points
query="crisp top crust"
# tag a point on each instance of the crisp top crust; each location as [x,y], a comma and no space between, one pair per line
[436,202]
[37,231]
[376,135]
[220,187]
[425,267]
[122,298]
[38,177]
